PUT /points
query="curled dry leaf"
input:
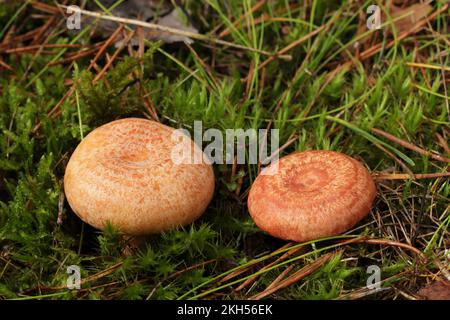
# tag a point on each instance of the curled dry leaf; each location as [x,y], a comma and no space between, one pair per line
[405,18]
[439,290]
[160,12]
[409,16]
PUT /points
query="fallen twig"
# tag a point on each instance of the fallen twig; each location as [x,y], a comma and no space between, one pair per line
[410,146]
[406,176]
[179,32]
[297,276]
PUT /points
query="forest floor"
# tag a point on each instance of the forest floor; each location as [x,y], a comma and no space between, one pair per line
[312,69]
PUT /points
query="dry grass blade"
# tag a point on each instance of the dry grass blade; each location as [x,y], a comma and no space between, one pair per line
[293,45]
[179,32]
[74,57]
[395,158]
[406,176]
[36,47]
[386,242]
[119,50]
[107,43]
[365,291]
[54,112]
[5,65]
[443,143]
[427,66]
[235,274]
[94,277]
[410,146]
[179,273]
[254,9]
[366,54]
[297,276]
[280,277]
[243,270]
[280,259]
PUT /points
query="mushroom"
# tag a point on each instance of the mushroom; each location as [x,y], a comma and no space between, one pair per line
[309,195]
[123,173]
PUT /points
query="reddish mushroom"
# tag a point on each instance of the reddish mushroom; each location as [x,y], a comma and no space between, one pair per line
[310,195]
[123,173]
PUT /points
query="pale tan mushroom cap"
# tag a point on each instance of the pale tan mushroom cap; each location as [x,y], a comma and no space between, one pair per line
[123,172]
[311,195]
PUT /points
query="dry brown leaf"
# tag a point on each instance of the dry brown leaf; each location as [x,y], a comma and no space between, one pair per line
[439,290]
[411,15]
[173,20]
[156,11]
[408,17]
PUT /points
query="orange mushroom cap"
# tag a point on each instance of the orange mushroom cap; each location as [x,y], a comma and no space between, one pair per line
[312,194]
[123,173]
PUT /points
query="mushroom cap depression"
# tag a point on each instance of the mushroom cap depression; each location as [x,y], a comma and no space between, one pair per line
[310,195]
[123,173]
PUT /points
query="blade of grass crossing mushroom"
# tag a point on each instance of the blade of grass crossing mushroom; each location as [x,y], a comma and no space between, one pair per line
[371,138]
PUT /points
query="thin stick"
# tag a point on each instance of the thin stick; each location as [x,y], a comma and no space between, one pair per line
[428,66]
[74,57]
[280,277]
[406,176]
[386,242]
[292,45]
[255,8]
[443,143]
[297,276]
[280,259]
[108,64]
[5,65]
[39,46]
[106,45]
[378,47]
[94,277]
[396,159]
[410,146]
[179,32]
[240,271]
